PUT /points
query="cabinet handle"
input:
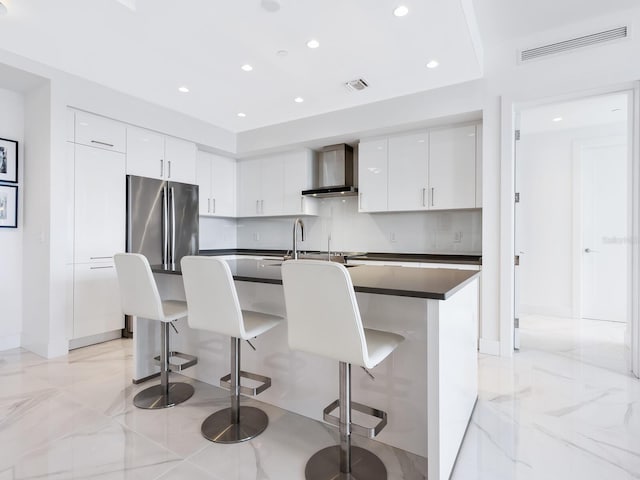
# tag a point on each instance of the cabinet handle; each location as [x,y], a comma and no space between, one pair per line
[100,268]
[208,205]
[433,196]
[214,205]
[102,143]
[161,168]
[262,207]
[424,193]
[99,258]
[169,169]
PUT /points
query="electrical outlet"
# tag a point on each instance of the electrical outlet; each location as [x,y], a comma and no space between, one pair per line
[457,237]
[256,237]
[392,237]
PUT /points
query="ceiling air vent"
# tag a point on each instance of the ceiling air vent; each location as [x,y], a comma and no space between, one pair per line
[356,85]
[574,43]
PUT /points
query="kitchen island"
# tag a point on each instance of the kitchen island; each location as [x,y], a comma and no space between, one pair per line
[428,386]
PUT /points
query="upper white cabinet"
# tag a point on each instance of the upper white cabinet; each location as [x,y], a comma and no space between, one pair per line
[452,168]
[99,207]
[272,185]
[150,154]
[409,171]
[99,132]
[423,170]
[373,175]
[180,157]
[216,177]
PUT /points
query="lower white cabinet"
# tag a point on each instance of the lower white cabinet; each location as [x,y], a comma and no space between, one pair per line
[96,300]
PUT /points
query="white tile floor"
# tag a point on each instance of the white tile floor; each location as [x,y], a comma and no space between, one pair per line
[561,408]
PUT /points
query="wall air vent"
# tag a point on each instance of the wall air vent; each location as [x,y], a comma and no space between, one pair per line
[574,43]
[356,85]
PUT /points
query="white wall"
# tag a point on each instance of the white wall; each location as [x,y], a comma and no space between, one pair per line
[12,128]
[545,164]
[410,232]
[217,233]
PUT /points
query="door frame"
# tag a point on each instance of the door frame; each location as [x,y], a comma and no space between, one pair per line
[508,109]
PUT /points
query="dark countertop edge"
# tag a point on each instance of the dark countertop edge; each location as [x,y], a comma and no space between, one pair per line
[358,289]
[373,256]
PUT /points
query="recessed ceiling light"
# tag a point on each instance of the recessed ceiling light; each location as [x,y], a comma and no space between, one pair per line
[246,67]
[313,43]
[282,53]
[616,109]
[400,11]
[557,119]
[433,64]
[183,89]
[270,5]
[242,115]
[298,99]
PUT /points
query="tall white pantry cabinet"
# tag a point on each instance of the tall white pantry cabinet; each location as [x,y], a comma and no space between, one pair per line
[96,209]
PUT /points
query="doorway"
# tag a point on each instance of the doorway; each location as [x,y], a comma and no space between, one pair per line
[572,224]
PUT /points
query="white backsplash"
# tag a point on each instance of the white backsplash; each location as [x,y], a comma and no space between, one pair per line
[217,233]
[410,232]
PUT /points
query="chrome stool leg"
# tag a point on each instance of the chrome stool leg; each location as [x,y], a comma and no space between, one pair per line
[167,394]
[344,461]
[236,424]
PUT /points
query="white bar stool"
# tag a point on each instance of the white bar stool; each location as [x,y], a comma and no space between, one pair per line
[140,298]
[323,318]
[214,306]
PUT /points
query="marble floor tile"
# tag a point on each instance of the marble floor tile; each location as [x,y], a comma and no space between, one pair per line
[563,407]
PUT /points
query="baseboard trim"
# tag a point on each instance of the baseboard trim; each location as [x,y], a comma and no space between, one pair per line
[93,339]
[489,347]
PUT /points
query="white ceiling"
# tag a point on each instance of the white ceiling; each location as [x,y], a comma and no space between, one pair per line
[501,20]
[150,51]
[585,112]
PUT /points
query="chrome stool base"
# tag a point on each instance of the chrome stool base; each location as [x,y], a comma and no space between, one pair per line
[325,465]
[219,427]
[156,397]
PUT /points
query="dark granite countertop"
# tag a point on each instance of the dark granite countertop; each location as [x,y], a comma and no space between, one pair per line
[434,283]
[373,256]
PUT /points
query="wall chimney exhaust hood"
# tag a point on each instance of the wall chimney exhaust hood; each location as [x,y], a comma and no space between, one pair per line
[335,172]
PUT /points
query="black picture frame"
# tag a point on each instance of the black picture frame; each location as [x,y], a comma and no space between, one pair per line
[8,161]
[8,206]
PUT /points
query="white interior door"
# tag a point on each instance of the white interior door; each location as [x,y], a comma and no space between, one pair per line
[605,231]
[518,240]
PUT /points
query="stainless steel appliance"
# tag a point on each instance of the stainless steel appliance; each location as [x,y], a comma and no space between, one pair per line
[335,172]
[162,222]
[162,219]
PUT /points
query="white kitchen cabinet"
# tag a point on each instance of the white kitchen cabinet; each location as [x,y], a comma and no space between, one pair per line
[216,178]
[150,154]
[373,175]
[452,168]
[100,132]
[180,157]
[408,168]
[145,153]
[298,176]
[272,185]
[96,300]
[99,204]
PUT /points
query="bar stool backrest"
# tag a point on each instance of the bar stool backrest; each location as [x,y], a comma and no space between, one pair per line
[322,313]
[211,296]
[138,290]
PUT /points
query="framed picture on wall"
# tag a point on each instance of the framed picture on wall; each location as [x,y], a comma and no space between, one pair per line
[8,206]
[8,161]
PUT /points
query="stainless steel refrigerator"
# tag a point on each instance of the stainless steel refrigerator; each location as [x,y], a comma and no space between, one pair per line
[162,219]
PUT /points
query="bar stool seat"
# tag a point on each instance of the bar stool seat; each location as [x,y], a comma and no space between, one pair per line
[140,298]
[214,306]
[324,319]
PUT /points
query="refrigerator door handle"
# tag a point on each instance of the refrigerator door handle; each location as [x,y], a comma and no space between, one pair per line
[172,199]
[165,227]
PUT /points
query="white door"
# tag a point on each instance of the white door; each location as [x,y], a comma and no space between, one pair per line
[204,178]
[272,179]
[223,186]
[180,156]
[145,153]
[249,191]
[518,239]
[373,175]
[605,232]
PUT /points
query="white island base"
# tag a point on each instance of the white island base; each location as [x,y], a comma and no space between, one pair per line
[428,385]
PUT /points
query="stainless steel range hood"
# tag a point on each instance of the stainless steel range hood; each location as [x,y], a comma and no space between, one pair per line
[335,172]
